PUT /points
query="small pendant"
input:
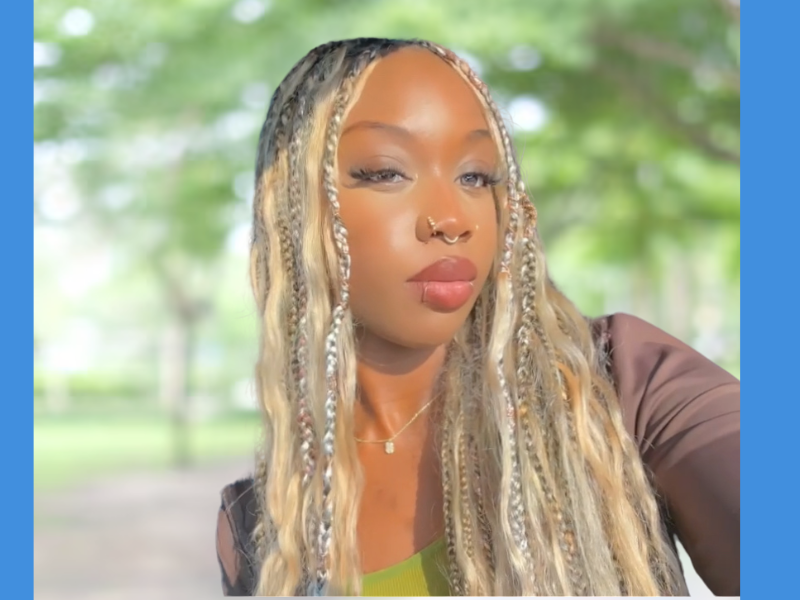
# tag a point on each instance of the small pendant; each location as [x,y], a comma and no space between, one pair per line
[389,447]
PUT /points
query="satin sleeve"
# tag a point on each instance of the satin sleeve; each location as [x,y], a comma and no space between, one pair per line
[683,411]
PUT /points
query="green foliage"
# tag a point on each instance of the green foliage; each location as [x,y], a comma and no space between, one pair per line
[638,157]
[97,386]
[630,85]
[69,450]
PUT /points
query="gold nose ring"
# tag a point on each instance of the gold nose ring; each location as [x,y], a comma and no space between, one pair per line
[447,239]
[432,224]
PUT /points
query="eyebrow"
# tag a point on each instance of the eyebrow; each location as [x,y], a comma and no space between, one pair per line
[477,134]
[402,131]
[396,129]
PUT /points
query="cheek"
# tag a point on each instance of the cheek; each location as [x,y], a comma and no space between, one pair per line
[378,273]
[486,237]
[384,253]
[381,241]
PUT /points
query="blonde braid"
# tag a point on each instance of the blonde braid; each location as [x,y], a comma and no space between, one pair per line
[456,576]
[529,323]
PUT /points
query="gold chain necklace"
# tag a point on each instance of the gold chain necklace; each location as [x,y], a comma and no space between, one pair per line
[388,443]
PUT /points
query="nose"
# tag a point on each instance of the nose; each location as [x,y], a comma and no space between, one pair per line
[442,216]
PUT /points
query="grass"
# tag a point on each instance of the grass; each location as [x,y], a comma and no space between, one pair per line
[67,450]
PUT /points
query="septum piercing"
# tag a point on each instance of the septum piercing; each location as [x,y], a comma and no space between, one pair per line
[448,240]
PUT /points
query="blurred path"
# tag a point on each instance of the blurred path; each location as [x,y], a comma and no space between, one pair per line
[148,535]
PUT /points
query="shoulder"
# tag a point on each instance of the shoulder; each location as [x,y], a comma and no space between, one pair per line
[240,505]
[620,330]
[637,351]
[236,522]
[660,380]
[237,493]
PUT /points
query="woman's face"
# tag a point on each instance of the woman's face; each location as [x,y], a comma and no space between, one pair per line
[416,147]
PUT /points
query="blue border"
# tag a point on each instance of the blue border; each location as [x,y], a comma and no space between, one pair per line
[17,342]
[770,222]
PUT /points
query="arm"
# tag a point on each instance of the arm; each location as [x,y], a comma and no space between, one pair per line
[683,411]
[227,556]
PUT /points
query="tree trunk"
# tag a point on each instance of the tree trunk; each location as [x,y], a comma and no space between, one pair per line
[186,312]
[176,392]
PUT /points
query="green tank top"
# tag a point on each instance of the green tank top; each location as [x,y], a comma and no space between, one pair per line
[424,574]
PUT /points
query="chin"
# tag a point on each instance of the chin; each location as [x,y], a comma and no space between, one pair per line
[413,326]
[436,330]
[423,342]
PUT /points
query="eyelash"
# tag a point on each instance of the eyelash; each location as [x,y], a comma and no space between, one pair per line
[380,176]
[489,180]
[376,175]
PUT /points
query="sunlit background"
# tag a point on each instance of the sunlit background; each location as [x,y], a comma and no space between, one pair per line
[146,115]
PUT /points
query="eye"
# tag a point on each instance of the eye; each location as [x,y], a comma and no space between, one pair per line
[378,175]
[477,179]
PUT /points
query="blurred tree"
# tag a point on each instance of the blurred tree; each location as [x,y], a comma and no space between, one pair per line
[626,114]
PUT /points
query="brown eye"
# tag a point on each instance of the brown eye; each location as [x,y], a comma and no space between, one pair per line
[478,180]
[378,176]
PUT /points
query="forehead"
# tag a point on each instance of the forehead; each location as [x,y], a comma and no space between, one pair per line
[417,90]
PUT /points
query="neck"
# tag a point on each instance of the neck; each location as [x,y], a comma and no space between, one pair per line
[394,382]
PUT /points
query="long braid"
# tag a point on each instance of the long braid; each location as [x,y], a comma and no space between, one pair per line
[283,133]
[299,100]
[289,133]
[476,342]
[305,418]
[467,559]
[288,137]
[465,491]
[478,573]
[340,312]
[483,522]
[456,576]
[528,325]
[263,529]
[299,296]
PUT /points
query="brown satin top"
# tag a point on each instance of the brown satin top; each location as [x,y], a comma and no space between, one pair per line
[683,412]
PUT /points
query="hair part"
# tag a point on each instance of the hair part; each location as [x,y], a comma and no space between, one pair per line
[544,491]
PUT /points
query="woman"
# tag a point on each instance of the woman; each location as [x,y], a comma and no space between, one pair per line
[439,419]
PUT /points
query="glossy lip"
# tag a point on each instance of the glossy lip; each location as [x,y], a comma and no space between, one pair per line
[448,269]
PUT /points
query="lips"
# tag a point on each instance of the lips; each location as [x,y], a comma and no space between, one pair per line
[446,285]
[452,268]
